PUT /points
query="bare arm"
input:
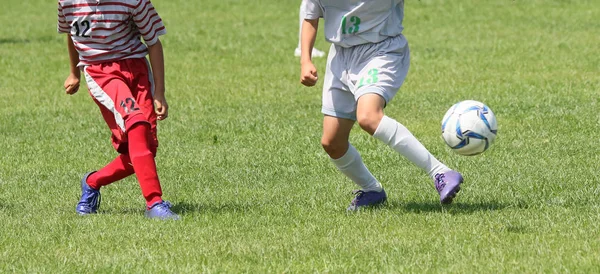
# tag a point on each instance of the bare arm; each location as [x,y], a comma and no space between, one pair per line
[308,74]
[72,82]
[309,34]
[157,62]
[73,57]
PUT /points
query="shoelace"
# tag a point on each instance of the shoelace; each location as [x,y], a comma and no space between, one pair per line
[164,207]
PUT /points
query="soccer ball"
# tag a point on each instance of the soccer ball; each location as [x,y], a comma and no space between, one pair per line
[469,127]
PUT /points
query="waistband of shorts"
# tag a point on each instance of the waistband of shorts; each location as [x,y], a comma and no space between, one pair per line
[119,61]
[368,44]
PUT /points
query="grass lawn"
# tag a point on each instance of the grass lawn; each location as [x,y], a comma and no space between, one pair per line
[241,160]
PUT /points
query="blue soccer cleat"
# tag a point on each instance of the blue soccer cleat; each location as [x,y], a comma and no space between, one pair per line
[448,185]
[90,198]
[367,198]
[161,211]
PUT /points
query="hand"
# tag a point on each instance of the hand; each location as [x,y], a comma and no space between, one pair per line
[161,107]
[308,74]
[72,84]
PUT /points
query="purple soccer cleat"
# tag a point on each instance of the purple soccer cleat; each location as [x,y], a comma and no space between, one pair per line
[367,198]
[447,185]
[161,211]
[90,198]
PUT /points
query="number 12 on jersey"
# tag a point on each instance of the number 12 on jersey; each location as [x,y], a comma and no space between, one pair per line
[81,29]
[355,25]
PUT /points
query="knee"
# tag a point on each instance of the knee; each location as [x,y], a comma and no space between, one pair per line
[369,120]
[335,149]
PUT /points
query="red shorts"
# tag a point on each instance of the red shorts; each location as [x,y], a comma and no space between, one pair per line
[123,90]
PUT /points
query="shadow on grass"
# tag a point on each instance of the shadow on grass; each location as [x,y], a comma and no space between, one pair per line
[455,208]
[122,211]
[5,206]
[185,208]
[8,41]
[13,41]
[414,207]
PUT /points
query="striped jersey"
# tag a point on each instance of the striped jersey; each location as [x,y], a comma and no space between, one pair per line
[109,30]
[354,22]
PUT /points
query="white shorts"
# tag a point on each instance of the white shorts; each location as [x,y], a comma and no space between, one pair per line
[369,68]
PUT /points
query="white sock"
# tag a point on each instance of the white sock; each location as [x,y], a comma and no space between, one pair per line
[302,16]
[398,137]
[352,166]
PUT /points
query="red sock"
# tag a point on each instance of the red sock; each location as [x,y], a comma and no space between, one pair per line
[116,170]
[143,162]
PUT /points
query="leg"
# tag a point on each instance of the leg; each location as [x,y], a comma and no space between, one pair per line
[378,81]
[142,158]
[141,132]
[116,170]
[345,157]
[301,15]
[143,142]
[380,78]
[143,162]
[398,137]
[97,79]
[371,118]
[339,108]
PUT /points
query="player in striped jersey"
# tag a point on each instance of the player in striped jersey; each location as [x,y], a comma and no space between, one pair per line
[367,64]
[104,42]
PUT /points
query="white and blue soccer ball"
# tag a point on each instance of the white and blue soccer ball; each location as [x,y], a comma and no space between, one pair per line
[469,127]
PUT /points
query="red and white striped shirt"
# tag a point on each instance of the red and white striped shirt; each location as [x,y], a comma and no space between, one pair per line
[109,30]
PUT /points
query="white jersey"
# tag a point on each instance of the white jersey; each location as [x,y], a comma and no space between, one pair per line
[354,22]
[105,30]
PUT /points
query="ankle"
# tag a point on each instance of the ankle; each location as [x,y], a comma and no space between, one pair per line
[152,200]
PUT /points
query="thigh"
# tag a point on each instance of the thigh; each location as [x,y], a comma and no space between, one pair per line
[382,72]
[110,89]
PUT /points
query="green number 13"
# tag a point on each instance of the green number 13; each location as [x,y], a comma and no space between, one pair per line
[355,21]
[370,79]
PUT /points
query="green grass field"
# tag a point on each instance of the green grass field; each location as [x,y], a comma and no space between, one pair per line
[240,155]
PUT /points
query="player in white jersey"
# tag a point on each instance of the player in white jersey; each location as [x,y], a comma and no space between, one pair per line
[104,42]
[367,64]
[297,51]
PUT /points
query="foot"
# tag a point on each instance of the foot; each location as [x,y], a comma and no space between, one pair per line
[90,198]
[315,53]
[369,198]
[161,211]
[448,185]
